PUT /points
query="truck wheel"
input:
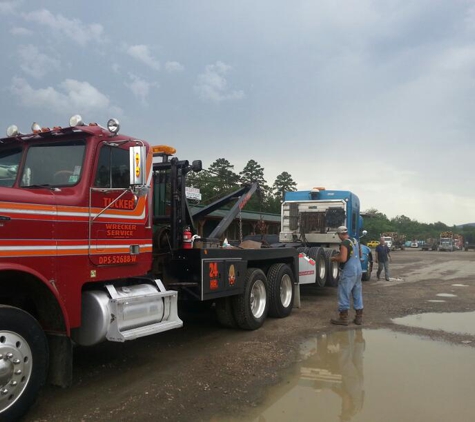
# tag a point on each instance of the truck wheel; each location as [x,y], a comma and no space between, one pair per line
[332,268]
[318,255]
[23,362]
[224,313]
[250,307]
[281,290]
[367,275]
[303,249]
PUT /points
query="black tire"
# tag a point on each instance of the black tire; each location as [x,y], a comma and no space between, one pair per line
[224,313]
[318,255]
[333,273]
[303,249]
[22,337]
[367,275]
[280,279]
[251,307]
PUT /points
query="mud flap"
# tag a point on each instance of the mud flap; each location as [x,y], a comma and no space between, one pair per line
[60,371]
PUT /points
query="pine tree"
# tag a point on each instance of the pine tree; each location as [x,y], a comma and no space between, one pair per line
[283,183]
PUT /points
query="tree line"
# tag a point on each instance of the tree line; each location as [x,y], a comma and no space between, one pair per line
[376,223]
[220,179]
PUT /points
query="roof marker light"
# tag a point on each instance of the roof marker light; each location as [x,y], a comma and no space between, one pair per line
[113,126]
[35,127]
[163,150]
[76,120]
[12,131]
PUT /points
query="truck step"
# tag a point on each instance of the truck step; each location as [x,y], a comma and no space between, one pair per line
[141,310]
[150,329]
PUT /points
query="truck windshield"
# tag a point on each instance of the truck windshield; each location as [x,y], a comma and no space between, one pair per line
[55,164]
[9,162]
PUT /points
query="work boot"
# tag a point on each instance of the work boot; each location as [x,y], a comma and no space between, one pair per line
[342,320]
[358,317]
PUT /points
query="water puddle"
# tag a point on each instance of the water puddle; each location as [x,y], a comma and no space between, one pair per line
[453,322]
[446,295]
[436,300]
[373,375]
[460,285]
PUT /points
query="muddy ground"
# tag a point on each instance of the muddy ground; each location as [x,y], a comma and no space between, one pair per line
[202,371]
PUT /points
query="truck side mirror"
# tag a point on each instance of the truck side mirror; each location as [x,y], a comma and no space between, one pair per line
[137,156]
[196,166]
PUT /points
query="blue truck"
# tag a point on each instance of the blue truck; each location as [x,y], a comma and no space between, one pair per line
[309,220]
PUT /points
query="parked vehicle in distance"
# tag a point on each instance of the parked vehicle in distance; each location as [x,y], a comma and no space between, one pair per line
[414,244]
[372,243]
[468,246]
[389,241]
[446,241]
[394,240]
[430,245]
[458,242]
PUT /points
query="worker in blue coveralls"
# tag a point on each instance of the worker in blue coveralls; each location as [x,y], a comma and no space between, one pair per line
[349,284]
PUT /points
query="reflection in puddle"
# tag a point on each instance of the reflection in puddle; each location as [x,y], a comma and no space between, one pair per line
[436,300]
[456,322]
[460,285]
[373,375]
[446,295]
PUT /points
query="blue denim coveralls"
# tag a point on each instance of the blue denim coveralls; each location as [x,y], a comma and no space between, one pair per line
[350,281]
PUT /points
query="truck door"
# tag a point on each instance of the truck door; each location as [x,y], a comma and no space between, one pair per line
[119,223]
[27,213]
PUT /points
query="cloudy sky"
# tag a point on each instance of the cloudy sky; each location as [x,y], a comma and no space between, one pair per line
[373,96]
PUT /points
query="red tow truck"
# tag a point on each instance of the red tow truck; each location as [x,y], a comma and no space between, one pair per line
[97,245]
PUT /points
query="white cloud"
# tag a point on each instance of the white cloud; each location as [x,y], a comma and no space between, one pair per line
[459,58]
[74,29]
[212,85]
[17,30]
[142,54]
[8,7]
[470,18]
[71,95]
[173,67]
[35,63]
[140,88]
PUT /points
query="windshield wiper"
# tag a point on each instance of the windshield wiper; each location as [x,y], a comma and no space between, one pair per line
[44,186]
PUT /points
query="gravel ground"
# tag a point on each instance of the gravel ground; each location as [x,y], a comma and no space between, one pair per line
[202,371]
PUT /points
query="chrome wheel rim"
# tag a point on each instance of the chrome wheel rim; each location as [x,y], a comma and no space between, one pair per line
[16,364]
[334,270]
[322,268]
[258,299]
[285,291]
